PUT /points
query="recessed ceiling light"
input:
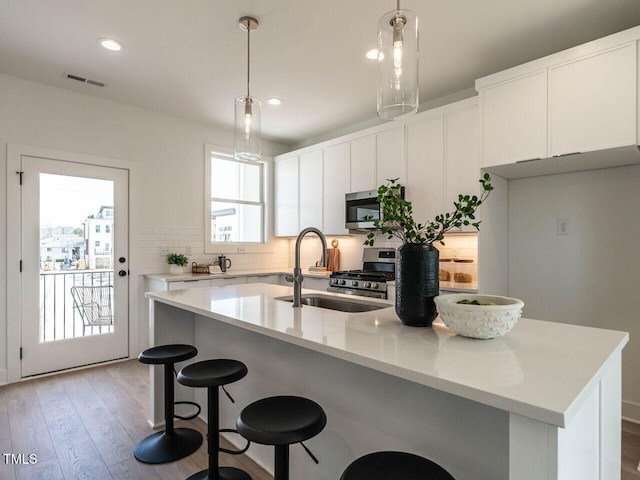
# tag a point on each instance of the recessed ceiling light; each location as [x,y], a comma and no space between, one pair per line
[372,54]
[111,44]
[274,101]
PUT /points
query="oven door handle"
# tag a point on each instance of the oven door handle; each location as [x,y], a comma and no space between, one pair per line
[360,293]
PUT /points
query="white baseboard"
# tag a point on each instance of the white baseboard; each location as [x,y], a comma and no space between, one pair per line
[631,412]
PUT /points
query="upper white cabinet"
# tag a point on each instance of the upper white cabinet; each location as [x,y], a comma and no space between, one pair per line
[336,185]
[286,196]
[580,100]
[592,102]
[363,164]
[514,120]
[390,155]
[310,181]
[443,159]
[425,168]
[462,156]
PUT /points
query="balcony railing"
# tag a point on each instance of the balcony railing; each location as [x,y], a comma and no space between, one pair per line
[59,319]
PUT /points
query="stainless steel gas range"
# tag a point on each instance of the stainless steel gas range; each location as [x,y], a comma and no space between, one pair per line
[378,268]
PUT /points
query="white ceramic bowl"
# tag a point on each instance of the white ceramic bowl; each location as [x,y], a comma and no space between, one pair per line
[479,321]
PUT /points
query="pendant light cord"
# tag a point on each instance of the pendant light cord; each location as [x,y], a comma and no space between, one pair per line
[249,55]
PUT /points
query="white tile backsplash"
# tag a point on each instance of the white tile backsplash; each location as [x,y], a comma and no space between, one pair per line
[146,257]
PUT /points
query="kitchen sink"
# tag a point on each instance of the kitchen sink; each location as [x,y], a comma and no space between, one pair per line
[336,303]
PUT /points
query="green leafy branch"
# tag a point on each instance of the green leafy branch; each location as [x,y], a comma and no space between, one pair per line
[397,215]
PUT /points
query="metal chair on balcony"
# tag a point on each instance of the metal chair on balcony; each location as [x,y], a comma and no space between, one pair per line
[94,305]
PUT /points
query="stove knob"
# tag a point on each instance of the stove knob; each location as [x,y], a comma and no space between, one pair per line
[342,282]
[367,285]
[354,283]
[334,281]
[374,285]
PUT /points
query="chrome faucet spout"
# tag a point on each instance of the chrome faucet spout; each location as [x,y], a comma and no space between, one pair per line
[297,277]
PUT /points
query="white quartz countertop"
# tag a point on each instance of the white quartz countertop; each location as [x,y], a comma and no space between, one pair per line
[181,277]
[541,370]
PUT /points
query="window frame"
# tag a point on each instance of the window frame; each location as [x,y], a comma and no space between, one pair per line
[234,247]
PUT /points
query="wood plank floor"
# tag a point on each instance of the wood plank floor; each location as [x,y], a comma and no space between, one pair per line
[85,425]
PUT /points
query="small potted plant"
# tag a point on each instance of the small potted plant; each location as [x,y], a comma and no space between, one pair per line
[417,280]
[177,262]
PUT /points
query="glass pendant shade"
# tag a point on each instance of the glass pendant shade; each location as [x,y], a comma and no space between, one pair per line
[247,108]
[247,128]
[397,64]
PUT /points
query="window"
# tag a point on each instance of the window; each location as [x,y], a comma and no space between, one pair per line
[97,244]
[236,208]
[97,228]
[107,228]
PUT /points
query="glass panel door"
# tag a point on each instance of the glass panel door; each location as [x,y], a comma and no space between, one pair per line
[74,227]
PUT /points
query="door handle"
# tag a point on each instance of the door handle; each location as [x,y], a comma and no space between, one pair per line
[122,273]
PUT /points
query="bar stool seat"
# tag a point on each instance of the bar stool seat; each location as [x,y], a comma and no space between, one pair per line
[212,374]
[394,466]
[172,443]
[281,421]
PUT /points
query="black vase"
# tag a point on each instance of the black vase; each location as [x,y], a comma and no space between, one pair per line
[417,283]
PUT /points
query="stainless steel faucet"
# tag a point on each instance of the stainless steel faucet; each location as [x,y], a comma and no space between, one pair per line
[297,277]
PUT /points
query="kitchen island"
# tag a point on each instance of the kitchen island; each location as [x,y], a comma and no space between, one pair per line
[543,402]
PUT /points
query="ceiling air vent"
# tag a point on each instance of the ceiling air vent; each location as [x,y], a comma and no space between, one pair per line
[85,80]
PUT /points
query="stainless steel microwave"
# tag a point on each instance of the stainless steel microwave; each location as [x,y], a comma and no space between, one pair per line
[361,210]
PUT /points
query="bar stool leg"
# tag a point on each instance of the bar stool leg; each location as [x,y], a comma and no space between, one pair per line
[213,426]
[173,443]
[281,468]
[215,472]
[169,398]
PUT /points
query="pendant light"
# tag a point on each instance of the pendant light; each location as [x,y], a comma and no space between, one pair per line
[247,109]
[397,64]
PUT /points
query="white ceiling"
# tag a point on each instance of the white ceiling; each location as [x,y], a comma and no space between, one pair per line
[188,57]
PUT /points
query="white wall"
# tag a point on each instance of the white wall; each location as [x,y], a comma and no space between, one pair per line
[166,183]
[590,276]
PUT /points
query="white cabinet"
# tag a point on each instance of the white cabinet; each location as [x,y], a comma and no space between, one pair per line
[592,102]
[443,159]
[315,283]
[310,190]
[514,120]
[376,158]
[271,279]
[461,157]
[222,282]
[390,155]
[187,284]
[336,185]
[286,222]
[581,100]
[425,168]
[363,164]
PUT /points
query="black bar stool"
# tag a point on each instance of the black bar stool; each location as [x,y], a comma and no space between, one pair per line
[394,466]
[281,421]
[213,374]
[173,443]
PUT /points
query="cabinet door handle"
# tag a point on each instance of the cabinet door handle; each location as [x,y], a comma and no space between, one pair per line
[566,154]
